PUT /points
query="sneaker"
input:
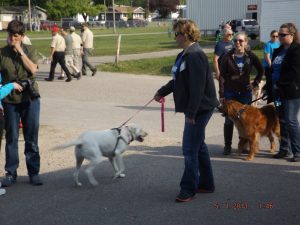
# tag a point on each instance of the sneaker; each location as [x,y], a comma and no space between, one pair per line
[69,79]
[78,76]
[49,79]
[94,72]
[184,197]
[202,190]
[227,150]
[9,180]
[61,78]
[280,155]
[295,159]
[2,191]
[35,180]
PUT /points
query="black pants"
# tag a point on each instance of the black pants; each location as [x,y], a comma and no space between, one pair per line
[59,57]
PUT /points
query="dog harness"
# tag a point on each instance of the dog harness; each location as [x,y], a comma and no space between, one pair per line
[240,112]
[120,137]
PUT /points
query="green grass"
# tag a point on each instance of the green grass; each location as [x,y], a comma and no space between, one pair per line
[134,40]
[158,66]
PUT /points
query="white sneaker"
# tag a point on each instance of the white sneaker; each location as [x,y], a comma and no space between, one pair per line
[2,191]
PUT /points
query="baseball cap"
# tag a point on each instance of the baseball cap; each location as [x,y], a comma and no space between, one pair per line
[55,29]
[72,28]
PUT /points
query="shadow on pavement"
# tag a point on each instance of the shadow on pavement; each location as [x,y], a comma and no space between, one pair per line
[246,193]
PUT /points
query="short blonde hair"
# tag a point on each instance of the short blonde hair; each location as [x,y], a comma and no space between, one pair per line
[188,28]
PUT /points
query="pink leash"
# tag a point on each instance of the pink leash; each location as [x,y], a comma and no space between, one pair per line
[162,110]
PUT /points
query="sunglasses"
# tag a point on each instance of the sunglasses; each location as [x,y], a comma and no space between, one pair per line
[282,34]
[229,34]
[177,33]
[275,36]
[238,40]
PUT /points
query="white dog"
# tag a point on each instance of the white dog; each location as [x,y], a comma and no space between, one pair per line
[93,145]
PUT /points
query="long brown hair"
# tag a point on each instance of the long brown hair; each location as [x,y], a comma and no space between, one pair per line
[292,30]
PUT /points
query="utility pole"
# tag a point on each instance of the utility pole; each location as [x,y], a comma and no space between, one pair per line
[29,15]
[114,16]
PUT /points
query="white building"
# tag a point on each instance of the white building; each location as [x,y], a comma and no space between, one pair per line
[270,14]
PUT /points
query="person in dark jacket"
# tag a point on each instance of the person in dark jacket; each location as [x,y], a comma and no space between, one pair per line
[285,90]
[234,84]
[194,95]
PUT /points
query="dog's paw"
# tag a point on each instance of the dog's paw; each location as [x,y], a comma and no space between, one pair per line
[78,184]
[249,158]
[122,175]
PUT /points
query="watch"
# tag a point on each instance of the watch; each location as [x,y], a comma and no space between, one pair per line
[21,53]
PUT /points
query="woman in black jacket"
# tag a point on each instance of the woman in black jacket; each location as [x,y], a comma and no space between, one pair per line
[285,90]
[195,96]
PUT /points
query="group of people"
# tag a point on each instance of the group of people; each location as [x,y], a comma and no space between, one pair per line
[67,48]
[233,63]
[194,93]
[193,89]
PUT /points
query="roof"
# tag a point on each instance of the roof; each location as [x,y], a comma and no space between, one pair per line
[17,9]
[127,9]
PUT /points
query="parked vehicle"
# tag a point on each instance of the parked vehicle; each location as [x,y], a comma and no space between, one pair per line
[137,23]
[119,24]
[68,22]
[249,26]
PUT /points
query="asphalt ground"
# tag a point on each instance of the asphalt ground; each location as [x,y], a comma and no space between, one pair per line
[264,191]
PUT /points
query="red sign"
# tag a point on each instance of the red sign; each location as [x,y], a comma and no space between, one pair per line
[252,7]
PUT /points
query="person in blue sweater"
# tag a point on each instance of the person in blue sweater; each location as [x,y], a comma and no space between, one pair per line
[4,91]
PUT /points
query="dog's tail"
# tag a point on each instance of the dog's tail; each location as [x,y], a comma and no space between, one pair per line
[66,145]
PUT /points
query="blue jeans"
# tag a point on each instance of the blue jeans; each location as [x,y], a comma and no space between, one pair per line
[291,109]
[198,171]
[243,98]
[29,112]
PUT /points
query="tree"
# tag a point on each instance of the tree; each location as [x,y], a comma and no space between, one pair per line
[58,9]
[164,7]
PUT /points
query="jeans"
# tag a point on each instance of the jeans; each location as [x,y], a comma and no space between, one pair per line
[85,60]
[198,170]
[29,112]
[243,98]
[291,109]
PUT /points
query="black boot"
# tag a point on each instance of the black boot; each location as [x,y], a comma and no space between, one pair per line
[228,131]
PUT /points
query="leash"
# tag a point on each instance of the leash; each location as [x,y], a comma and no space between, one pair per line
[264,97]
[162,111]
[130,118]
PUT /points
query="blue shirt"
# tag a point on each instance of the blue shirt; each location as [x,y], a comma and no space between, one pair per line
[276,66]
[5,90]
[221,48]
[269,49]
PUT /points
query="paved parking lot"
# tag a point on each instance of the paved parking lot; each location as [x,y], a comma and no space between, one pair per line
[264,191]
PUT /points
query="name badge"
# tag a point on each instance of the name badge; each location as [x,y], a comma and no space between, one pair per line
[182,66]
[173,70]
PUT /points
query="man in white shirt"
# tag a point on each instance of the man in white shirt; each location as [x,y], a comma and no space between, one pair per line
[87,43]
[58,47]
[76,47]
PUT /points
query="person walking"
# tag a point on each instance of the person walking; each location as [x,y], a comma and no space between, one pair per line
[58,47]
[285,74]
[18,62]
[76,47]
[87,43]
[221,48]
[234,83]
[194,95]
[69,53]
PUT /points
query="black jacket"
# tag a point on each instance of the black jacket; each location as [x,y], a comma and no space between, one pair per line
[193,89]
[230,76]
[289,80]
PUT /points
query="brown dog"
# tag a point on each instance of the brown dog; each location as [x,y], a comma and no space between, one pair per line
[251,123]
